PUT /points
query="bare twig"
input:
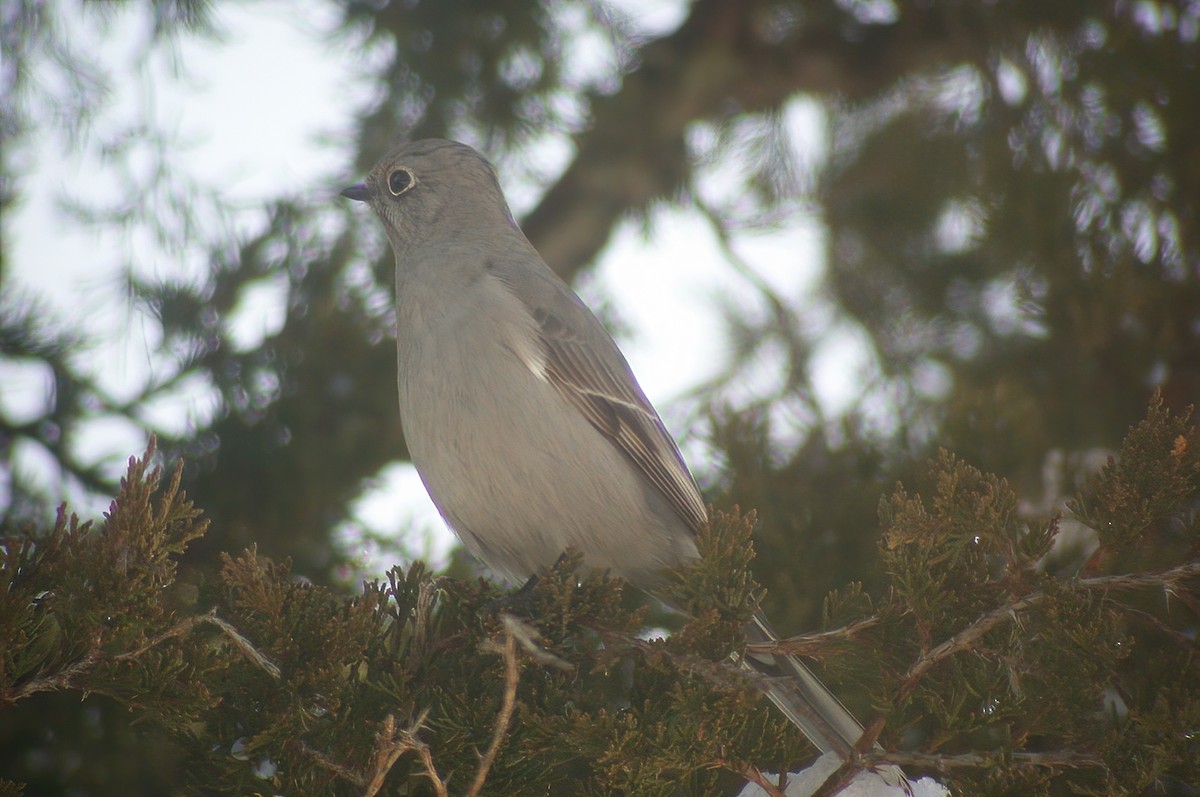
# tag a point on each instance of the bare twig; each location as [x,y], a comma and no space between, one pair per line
[244,645]
[178,630]
[1168,579]
[508,704]
[391,743]
[811,644]
[422,750]
[328,763]
[1181,639]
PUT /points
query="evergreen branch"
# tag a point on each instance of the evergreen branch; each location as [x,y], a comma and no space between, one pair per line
[810,645]
[1168,579]
[721,674]
[59,681]
[1181,639]
[963,640]
[178,630]
[67,678]
[1059,759]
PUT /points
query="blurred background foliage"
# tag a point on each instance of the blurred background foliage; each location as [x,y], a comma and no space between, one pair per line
[1010,200]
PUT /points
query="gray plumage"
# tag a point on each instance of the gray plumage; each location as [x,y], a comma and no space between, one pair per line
[522,417]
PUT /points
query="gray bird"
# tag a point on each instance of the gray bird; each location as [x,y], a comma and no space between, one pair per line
[522,417]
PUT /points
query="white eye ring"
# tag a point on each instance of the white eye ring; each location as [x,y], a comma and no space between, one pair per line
[401,180]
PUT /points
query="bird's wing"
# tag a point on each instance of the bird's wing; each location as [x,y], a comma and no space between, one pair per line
[600,385]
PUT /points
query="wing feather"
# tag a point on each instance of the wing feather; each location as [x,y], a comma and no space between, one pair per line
[613,403]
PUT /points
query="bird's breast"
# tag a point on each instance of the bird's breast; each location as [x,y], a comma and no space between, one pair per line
[512,466]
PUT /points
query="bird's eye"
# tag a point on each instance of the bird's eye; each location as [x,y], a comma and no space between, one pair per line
[400,181]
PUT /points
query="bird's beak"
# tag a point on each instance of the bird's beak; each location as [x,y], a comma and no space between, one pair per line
[356,192]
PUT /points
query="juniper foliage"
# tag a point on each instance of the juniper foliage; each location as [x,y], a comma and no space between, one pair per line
[982,666]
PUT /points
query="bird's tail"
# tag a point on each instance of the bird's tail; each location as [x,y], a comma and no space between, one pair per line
[799,694]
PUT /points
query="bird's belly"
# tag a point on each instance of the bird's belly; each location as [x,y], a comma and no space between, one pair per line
[520,475]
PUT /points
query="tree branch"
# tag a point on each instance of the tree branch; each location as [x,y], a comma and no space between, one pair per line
[719,63]
[1059,759]
[809,644]
[1166,579]
[68,678]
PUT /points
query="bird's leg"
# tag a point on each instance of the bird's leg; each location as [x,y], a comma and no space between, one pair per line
[519,602]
